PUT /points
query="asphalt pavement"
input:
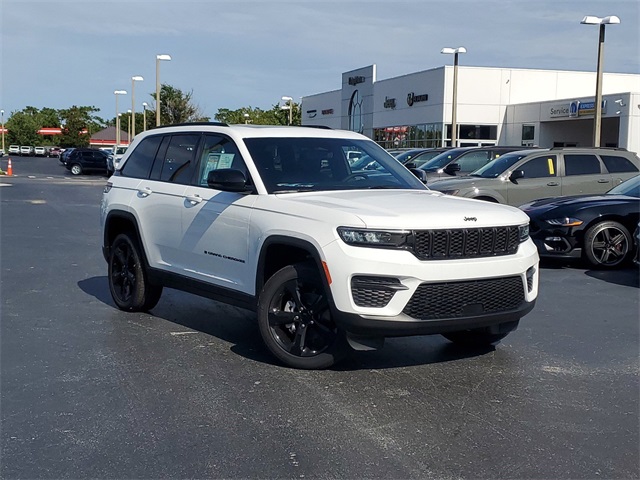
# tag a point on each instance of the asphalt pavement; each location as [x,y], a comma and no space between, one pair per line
[189,390]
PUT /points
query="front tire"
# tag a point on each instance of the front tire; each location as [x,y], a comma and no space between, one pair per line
[128,283]
[295,320]
[76,169]
[607,245]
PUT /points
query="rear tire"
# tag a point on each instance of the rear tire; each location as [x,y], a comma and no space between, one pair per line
[295,320]
[128,283]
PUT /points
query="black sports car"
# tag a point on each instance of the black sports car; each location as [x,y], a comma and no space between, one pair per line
[596,228]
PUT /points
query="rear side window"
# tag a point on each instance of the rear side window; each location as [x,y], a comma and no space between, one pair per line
[178,165]
[138,165]
[540,167]
[581,164]
[616,163]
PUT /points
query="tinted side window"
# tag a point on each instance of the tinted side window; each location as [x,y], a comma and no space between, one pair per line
[219,152]
[139,163]
[178,164]
[473,160]
[615,163]
[581,164]
[540,167]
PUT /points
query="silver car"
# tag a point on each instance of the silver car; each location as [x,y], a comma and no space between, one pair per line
[523,176]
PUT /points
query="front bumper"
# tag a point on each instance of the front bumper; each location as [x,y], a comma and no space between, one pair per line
[403,325]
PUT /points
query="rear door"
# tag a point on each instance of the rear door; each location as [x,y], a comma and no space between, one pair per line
[619,167]
[584,173]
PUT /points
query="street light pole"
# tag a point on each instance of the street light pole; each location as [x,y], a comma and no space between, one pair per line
[134,79]
[2,113]
[158,59]
[454,103]
[129,127]
[144,116]
[289,100]
[116,93]
[597,115]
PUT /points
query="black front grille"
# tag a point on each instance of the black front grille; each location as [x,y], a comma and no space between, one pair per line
[464,299]
[465,243]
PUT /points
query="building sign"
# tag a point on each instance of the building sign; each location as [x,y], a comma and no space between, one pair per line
[556,111]
[389,102]
[328,111]
[356,80]
[589,108]
[312,113]
[413,98]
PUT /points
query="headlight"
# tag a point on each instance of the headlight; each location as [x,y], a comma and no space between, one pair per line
[523,232]
[565,222]
[373,238]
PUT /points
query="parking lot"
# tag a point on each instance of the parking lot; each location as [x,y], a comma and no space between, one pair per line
[189,390]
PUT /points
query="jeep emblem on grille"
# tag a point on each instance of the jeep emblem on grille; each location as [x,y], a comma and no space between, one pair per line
[470,219]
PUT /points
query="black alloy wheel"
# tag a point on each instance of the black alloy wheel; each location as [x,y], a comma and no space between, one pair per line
[128,282]
[607,245]
[295,319]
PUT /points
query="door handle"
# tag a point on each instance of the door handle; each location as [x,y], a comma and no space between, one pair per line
[194,199]
[603,180]
[553,184]
[145,192]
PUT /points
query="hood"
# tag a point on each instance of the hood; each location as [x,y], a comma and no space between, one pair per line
[449,183]
[575,201]
[399,209]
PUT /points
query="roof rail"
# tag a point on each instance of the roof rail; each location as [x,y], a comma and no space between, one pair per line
[323,127]
[620,149]
[187,124]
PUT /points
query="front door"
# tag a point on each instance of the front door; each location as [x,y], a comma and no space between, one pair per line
[540,180]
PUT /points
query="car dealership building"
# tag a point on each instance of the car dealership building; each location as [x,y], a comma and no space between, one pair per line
[505,106]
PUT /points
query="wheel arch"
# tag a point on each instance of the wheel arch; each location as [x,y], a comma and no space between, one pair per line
[278,251]
[629,221]
[118,222]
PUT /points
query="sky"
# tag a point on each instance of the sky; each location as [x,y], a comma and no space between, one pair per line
[242,53]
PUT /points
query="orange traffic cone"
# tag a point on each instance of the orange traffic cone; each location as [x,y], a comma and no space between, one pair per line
[9,168]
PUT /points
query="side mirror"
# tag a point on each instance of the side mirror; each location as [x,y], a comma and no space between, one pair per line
[421,174]
[452,168]
[227,179]
[516,175]
[410,165]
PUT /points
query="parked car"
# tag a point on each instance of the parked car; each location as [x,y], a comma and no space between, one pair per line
[40,151]
[65,154]
[114,158]
[26,151]
[596,228]
[275,220]
[461,161]
[14,149]
[83,160]
[523,176]
[418,157]
[55,152]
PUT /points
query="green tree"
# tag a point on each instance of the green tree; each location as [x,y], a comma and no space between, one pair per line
[275,116]
[23,126]
[176,106]
[78,125]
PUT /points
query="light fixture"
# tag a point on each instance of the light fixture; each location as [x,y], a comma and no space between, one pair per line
[454,103]
[597,115]
[159,58]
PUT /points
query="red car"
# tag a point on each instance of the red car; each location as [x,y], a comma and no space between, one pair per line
[55,152]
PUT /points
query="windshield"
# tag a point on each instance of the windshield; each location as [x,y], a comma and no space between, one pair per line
[318,164]
[498,166]
[442,160]
[631,188]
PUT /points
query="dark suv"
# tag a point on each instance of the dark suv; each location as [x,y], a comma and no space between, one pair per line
[81,160]
[462,161]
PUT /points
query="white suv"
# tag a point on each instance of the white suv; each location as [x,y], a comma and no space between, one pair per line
[273,219]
